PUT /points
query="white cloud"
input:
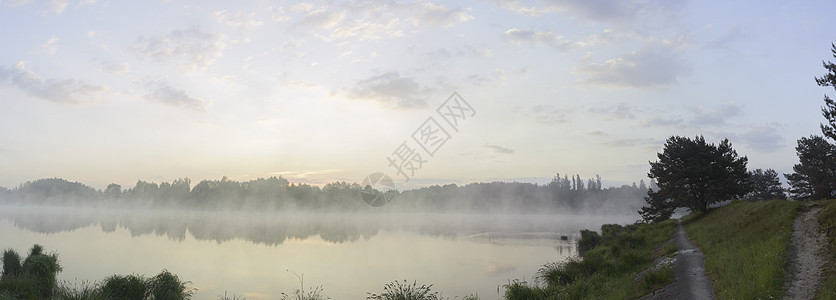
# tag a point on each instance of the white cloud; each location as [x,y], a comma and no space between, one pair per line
[661,122]
[717,116]
[49,46]
[115,69]
[612,11]
[163,92]
[238,19]
[199,49]
[550,115]
[57,6]
[392,90]
[541,37]
[635,142]
[433,14]
[68,91]
[762,138]
[656,65]
[615,112]
[369,20]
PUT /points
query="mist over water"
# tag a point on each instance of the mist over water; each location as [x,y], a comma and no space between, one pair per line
[250,253]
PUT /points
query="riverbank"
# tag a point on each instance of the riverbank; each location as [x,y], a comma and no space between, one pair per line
[749,248]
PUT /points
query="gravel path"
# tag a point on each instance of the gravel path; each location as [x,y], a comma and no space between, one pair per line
[689,271]
[806,263]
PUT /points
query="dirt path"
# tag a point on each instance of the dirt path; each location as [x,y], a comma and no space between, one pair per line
[689,271]
[806,263]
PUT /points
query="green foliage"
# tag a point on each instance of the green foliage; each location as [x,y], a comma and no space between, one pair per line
[397,291]
[827,223]
[829,109]
[35,278]
[521,290]
[606,271]
[168,286]
[657,278]
[129,287]
[745,246]
[11,263]
[589,239]
[43,270]
[83,291]
[694,174]
[13,287]
[765,185]
[814,176]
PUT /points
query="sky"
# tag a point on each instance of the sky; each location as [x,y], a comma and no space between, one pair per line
[106,92]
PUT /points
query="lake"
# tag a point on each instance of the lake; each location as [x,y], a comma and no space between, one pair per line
[259,254]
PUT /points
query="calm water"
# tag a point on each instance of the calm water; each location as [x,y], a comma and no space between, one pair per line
[253,254]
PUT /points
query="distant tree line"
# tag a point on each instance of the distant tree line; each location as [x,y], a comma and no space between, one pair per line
[277,193]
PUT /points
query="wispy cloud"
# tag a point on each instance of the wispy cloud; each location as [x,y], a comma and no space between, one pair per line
[658,64]
[429,13]
[716,116]
[199,49]
[615,112]
[163,92]
[550,115]
[68,91]
[498,149]
[115,69]
[50,47]
[538,37]
[305,173]
[368,20]
[762,138]
[390,89]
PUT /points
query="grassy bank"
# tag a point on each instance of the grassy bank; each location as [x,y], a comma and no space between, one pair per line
[745,246]
[827,222]
[608,270]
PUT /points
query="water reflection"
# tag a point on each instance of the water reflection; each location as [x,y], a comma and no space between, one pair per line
[275,228]
[250,253]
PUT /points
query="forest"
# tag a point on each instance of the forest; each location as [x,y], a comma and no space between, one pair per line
[561,194]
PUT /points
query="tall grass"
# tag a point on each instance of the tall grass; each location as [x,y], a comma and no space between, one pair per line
[301,293]
[405,291]
[827,223]
[79,291]
[168,286]
[133,287]
[745,246]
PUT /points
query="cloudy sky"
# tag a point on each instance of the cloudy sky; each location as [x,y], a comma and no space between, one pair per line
[118,91]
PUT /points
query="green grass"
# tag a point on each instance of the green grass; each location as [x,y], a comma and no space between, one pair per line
[745,246]
[827,222]
[608,270]
[405,291]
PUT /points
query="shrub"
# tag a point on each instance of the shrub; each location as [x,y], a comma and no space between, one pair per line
[18,288]
[168,286]
[11,263]
[125,287]
[589,239]
[43,270]
[521,290]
